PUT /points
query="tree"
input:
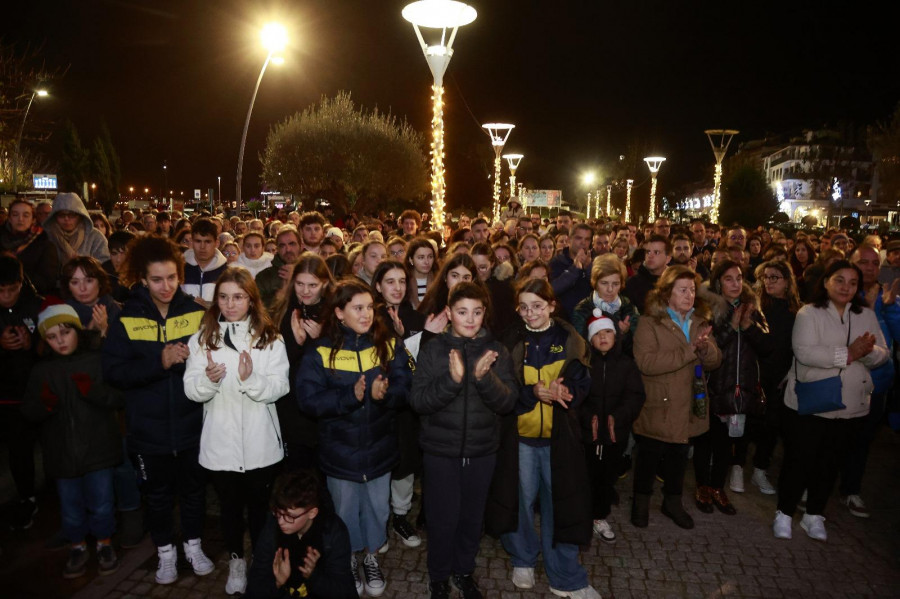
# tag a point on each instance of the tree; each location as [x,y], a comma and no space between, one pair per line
[105,169]
[884,142]
[354,159]
[74,166]
[746,198]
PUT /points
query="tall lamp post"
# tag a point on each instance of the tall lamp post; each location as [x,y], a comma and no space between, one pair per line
[274,39]
[38,92]
[867,202]
[499,133]
[513,160]
[719,139]
[609,201]
[629,184]
[443,15]
[653,163]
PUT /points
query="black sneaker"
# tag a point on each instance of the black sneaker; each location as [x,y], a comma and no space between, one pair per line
[406,531]
[374,577]
[106,557]
[23,514]
[466,586]
[76,566]
[439,590]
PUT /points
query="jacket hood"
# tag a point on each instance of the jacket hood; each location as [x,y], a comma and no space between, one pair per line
[721,307]
[218,260]
[503,271]
[71,202]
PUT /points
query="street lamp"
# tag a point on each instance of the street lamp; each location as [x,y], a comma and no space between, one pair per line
[443,15]
[38,92]
[609,201]
[654,163]
[588,180]
[499,133]
[513,161]
[724,139]
[629,185]
[867,202]
[274,39]
[220,187]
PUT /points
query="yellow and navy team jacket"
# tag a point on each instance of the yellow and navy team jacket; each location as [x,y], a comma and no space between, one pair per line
[547,356]
[160,419]
[357,439]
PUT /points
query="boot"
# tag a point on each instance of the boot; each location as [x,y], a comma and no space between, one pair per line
[672,508]
[640,510]
[131,528]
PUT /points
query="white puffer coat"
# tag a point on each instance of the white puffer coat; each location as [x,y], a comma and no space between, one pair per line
[240,425]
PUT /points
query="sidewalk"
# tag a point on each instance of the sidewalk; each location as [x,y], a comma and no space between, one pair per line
[722,557]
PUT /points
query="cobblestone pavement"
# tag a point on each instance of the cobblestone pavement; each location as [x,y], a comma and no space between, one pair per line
[722,557]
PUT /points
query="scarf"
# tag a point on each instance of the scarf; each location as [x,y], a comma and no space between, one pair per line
[19,242]
[608,307]
[67,244]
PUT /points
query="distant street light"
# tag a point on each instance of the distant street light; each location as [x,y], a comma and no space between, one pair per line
[724,139]
[499,133]
[653,163]
[513,161]
[274,39]
[38,92]
[220,187]
[443,15]
[629,185]
[609,201]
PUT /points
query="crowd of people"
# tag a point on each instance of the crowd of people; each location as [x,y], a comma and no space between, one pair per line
[318,370]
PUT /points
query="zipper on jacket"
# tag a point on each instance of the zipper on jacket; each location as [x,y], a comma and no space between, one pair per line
[465,423]
[362,429]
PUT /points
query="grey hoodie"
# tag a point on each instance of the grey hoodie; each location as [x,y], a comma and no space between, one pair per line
[92,242]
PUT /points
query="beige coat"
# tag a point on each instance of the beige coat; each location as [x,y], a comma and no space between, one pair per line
[666,361]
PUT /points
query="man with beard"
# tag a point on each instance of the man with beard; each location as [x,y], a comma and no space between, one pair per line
[272,279]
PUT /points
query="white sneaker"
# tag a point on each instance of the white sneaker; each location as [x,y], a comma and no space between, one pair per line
[354,567]
[237,575]
[762,481]
[736,482]
[814,527]
[201,564]
[374,577]
[603,530]
[167,571]
[523,578]
[782,525]
[856,506]
[587,592]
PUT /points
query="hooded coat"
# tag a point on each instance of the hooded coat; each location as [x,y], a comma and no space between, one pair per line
[37,255]
[85,240]
[200,281]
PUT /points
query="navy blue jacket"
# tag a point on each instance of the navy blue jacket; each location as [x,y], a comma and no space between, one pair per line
[160,419]
[570,283]
[357,439]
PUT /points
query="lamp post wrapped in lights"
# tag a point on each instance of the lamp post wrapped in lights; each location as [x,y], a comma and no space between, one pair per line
[499,133]
[443,15]
[513,161]
[629,185]
[654,163]
[609,201]
[724,139]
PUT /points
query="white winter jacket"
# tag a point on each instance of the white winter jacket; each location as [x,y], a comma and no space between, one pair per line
[240,425]
[820,351]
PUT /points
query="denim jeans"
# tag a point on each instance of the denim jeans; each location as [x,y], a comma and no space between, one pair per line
[125,480]
[87,505]
[364,508]
[560,561]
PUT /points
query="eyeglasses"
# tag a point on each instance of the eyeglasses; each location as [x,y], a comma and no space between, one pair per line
[283,515]
[533,308]
[229,253]
[772,278]
[237,298]
[397,253]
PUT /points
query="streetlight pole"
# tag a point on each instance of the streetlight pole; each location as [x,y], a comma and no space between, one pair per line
[499,133]
[37,92]
[653,163]
[513,160]
[724,140]
[629,185]
[609,201]
[274,38]
[220,187]
[443,15]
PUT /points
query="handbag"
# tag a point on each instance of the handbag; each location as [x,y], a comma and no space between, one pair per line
[820,396]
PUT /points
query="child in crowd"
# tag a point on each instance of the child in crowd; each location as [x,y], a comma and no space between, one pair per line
[464,383]
[238,368]
[79,437]
[304,547]
[613,403]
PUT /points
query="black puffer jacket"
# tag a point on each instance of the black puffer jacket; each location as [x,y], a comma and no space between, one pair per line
[774,365]
[734,387]
[297,429]
[617,390]
[15,364]
[462,419]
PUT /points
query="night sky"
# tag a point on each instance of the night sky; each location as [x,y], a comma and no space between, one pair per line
[582,80]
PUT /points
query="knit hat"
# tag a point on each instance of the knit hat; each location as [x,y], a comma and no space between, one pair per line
[599,322]
[53,312]
[335,232]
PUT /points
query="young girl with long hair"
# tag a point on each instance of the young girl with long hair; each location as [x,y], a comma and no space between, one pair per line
[422,266]
[298,312]
[353,382]
[237,368]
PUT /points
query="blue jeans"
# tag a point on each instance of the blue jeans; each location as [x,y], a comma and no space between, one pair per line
[87,505]
[364,508]
[523,546]
[125,479]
